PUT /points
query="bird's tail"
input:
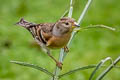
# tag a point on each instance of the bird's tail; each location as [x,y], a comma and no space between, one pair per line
[24,23]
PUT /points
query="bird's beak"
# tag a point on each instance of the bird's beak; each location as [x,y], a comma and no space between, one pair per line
[75,25]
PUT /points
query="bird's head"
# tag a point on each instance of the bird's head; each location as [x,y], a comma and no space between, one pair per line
[64,25]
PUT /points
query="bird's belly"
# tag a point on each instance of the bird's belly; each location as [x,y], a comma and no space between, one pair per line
[59,42]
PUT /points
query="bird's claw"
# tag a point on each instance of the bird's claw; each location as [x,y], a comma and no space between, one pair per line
[66,49]
[59,64]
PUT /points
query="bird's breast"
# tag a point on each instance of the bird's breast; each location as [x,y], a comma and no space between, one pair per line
[58,42]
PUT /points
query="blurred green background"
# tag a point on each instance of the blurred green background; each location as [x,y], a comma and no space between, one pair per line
[88,47]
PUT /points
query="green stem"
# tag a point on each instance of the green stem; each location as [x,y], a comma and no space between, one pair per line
[33,66]
[108,69]
[100,64]
[62,53]
[57,70]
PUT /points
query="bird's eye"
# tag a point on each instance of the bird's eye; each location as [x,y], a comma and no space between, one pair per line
[66,23]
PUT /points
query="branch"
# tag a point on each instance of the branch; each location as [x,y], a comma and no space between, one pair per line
[33,66]
[67,10]
[78,69]
[82,68]
[99,26]
[79,22]
[108,69]
[62,54]
[57,70]
[99,66]
[65,13]
[84,11]
[71,9]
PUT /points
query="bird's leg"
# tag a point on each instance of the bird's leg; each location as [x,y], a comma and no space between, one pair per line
[59,64]
[66,49]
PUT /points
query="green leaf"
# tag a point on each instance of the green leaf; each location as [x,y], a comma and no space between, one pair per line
[33,66]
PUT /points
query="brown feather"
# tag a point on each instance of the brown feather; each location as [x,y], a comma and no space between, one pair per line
[58,42]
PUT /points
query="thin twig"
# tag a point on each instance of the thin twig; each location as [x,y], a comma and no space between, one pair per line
[65,13]
[94,26]
[74,32]
[33,66]
[71,9]
[82,68]
[57,70]
[78,69]
[79,22]
[67,10]
[108,69]
[62,54]
[99,66]
[84,11]
[100,26]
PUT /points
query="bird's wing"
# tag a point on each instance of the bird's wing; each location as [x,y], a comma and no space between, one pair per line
[47,27]
[46,31]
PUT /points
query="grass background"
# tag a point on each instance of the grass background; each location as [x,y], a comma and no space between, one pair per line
[88,47]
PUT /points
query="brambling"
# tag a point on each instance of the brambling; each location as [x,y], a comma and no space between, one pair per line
[51,35]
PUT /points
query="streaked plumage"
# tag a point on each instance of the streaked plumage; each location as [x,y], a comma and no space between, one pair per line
[51,35]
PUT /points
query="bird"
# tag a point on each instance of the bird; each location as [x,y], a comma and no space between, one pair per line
[51,35]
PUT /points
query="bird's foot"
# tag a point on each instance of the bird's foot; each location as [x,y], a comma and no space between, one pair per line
[59,64]
[66,49]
